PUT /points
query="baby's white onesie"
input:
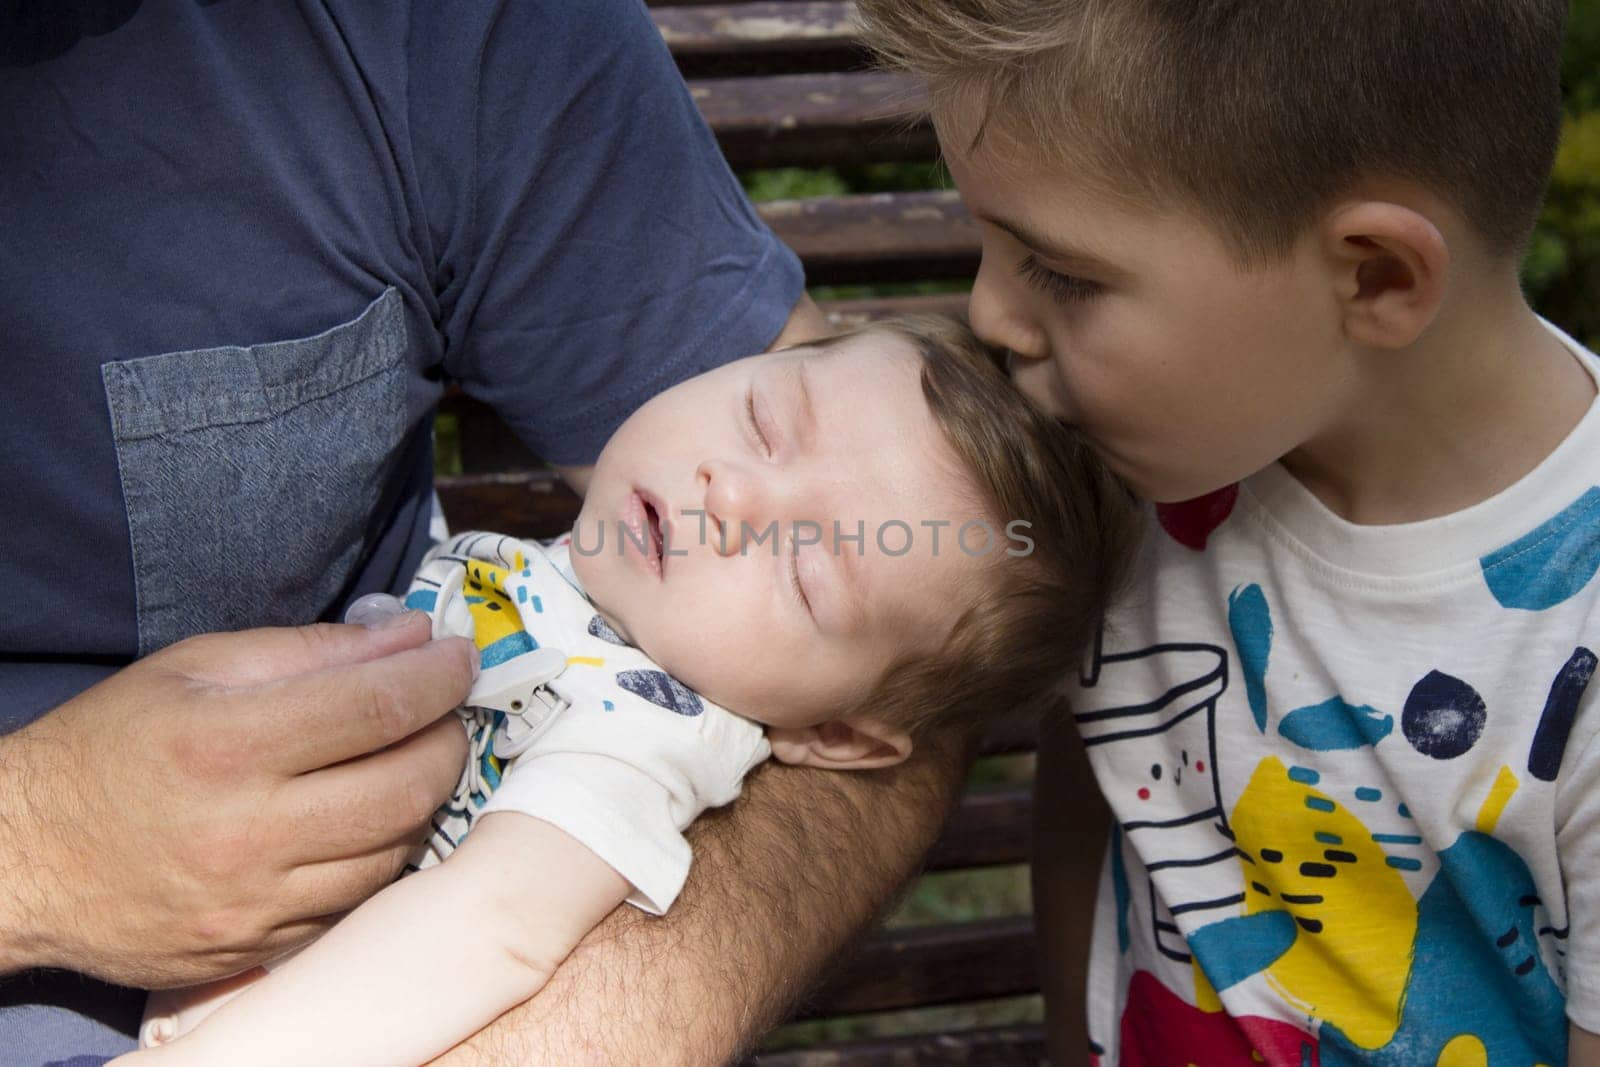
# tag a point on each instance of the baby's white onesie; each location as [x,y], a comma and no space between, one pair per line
[622,756]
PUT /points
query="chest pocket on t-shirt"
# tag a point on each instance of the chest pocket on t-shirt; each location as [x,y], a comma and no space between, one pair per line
[251,474]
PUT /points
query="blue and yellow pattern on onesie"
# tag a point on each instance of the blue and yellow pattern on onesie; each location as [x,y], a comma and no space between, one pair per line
[517,600]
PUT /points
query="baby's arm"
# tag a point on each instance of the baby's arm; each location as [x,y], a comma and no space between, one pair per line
[425,963]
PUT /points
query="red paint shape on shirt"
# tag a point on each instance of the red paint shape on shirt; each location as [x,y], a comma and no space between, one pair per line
[1144,793]
[1160,1028]
[1190,522]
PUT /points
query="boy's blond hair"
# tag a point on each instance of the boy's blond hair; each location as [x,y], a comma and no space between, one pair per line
[1034,613]
[1257,112]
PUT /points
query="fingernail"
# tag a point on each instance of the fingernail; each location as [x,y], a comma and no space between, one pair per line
[477,663]
[379,611]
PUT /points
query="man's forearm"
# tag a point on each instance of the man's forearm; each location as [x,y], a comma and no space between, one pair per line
[26,873]
[781,879]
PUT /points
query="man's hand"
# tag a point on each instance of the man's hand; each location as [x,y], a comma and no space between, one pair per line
[223,800]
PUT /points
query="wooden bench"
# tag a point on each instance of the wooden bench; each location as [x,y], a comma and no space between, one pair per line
[786,83]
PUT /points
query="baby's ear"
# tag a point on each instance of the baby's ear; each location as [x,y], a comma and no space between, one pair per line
[858,744]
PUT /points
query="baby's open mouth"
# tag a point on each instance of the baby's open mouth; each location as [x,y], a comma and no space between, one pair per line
[652,520]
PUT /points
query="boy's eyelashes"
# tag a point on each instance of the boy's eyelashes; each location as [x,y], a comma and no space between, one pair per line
[1062,288]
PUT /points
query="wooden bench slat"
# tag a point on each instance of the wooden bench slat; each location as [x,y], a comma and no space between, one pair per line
[1010,734]
[528,503]
[845,314]
[655,5]
[995,1046]
[878,237]
[815,120]
[770,37]
[991,826]
[930,965]
[756,26]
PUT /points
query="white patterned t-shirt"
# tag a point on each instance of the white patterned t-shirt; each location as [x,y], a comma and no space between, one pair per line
[1354,777]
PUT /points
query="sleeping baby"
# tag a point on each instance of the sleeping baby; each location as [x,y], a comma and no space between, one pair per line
[818,555]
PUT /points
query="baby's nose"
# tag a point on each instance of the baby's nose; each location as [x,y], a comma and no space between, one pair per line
[739,503]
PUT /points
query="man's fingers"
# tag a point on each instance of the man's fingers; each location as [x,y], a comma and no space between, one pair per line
[345,712]
[373,802]
[256,657]
[340,885]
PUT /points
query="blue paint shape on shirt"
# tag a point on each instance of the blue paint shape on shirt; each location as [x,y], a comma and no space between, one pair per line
[1551,564]
[1233,949]
[1335,726]
[1560,710]
[1250,621]
[1475,929]
[1443,716]
[422,599]
[599,628]
[660,688]
[512,644]
[1119,887]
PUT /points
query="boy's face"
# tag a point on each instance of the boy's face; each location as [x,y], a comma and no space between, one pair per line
[783,634]
[1186,372]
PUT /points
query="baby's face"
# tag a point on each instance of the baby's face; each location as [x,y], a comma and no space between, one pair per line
[779,630]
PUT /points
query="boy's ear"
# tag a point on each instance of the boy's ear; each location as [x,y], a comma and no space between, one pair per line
[1392,264]
[858,744]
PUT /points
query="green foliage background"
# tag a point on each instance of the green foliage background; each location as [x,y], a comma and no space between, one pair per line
[1562,271]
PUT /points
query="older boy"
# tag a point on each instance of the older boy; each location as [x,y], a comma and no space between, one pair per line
[1342,722]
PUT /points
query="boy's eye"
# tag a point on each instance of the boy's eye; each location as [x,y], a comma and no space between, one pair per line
[1062,288]
[755,423]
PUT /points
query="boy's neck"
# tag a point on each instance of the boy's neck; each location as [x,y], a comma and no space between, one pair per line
[1475,404]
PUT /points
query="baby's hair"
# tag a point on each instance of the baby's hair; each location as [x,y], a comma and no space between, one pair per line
[1256,113]
[1033,614]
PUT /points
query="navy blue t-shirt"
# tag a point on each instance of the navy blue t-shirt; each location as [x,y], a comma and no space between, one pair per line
[243,245]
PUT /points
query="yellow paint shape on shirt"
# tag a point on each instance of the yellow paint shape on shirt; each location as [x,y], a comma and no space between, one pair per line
[1357,920]
[1505,783]
[494,616]
[586,661]
[1463,1050]
[1205,996]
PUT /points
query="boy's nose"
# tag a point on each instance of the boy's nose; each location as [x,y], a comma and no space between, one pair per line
[735,496]
[1001,320]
